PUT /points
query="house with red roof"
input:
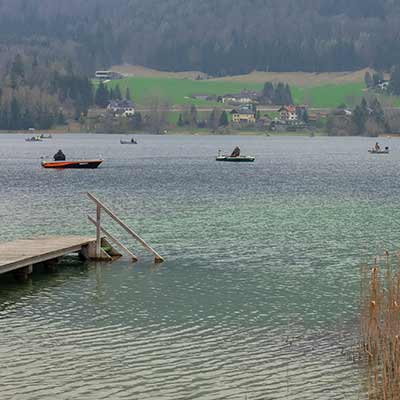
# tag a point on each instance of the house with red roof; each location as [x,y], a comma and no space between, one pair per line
[288,114]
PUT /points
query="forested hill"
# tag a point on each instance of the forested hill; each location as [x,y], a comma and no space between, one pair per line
[215,36]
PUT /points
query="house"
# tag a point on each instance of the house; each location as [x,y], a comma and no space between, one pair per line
[107,75]
[244,115]
[123,108]
[293,114]
[288,114]
[383,85]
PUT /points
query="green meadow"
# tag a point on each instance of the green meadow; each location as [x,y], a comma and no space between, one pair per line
[179,91]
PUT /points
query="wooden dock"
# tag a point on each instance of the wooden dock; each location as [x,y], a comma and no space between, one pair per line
[21,255]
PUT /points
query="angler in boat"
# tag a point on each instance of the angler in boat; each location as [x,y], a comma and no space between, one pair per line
[236,152]
[128,141]
[61,163]
[377,149]
[34,139]
[59,156]
[234,157]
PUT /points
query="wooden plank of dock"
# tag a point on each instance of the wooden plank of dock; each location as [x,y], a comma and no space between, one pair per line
[27,252]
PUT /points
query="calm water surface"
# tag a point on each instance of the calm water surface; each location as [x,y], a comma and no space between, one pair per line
[258,297]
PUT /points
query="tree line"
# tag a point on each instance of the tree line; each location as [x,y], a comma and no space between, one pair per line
[103,95]
[36,95]
[266,35]
[367,119]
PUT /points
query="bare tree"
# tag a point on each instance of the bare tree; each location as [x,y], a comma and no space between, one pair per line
[157,117]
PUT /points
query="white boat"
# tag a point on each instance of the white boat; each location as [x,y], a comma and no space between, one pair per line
[374,151]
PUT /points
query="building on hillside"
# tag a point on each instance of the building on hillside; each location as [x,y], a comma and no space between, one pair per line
[288,114]
[383,85]
[123,108]
[107,75]
[244,115]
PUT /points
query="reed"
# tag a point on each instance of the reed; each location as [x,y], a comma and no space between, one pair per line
[380,327]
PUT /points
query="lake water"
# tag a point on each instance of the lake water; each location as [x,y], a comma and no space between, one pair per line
[258,297]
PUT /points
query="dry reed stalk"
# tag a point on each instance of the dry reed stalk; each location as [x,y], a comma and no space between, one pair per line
[380,329]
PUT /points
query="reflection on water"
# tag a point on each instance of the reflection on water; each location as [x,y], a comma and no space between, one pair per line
[258,296]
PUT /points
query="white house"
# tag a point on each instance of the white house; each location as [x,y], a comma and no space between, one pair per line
[123,108]
[288,113]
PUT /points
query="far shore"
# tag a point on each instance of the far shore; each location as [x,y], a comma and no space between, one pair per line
[178,132]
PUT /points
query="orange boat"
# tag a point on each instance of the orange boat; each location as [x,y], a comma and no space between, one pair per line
[82,164]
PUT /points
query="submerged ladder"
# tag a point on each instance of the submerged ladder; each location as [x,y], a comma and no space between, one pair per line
[100,230]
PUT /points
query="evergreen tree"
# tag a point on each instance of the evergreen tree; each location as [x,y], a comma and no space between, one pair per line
[377,112]
[212,121]
[15,114]
[360,117]
[394,86]
[368,80]
[305,116]
[223,119]
[193,115]
[280,95]
[35,62]
[117,93]
[180,120]
[128,94]
[111,94]
[377,78]
[288,95]
[268,92]
[17,67]
[137,121]
[102,96]
[61,118]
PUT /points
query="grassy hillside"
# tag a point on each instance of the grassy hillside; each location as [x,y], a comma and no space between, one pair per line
[329,96]
[178,91]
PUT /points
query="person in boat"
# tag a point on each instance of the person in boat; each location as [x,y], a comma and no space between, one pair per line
[59,156]
[236,152]
[377,147]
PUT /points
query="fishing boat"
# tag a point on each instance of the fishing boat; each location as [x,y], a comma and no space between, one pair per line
[374,151]
[43,136]
[34,139]
[225,157]
[78,164]
[128,141]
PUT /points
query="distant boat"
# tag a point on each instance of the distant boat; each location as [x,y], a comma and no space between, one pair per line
[43,136]
[225,157]
[80,164]
[384,151]
[34,139]
[128,141]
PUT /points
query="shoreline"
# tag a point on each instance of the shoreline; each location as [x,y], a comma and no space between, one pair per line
[170,133]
